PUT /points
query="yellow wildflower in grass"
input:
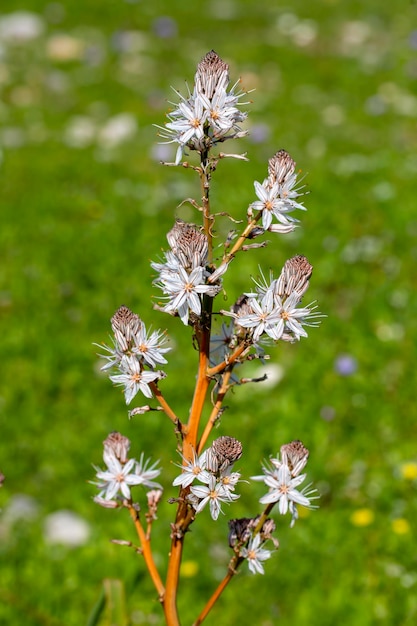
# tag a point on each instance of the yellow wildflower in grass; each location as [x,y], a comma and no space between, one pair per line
[400,526]
[189,569]
[409,470]
[362,517]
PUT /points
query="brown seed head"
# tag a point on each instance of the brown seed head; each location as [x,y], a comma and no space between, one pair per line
[227,450]
[212,73]
[280,166]
[189,244]
[295,455]
[125,324]
[295,276]
[118,445]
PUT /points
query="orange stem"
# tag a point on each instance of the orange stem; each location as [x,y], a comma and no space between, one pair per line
[218,369]
[215,412]
[232,570]
[147,553]
[164,404]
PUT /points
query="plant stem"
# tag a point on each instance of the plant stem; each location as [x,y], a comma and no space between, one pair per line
[190,431]
[231,571]
[216,410]
[218,369]
[147,553]
[164,404]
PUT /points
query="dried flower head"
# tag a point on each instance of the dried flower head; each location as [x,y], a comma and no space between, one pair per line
[212,75]
[295,276]
[188,244]
[295,456]
[118,445]
[240,530]
[125,324]
[224,452]
[280,167]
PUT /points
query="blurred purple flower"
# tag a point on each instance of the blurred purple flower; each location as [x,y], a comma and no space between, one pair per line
[165,27]
[327,413]
[413,39]
[345,365]
[259,133]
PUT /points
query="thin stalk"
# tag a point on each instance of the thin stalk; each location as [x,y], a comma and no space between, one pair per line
[228,257]
[164,404]
[218,369]
[216,410]
[231,571]
[147,553]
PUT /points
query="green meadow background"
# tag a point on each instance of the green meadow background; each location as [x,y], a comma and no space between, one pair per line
[85,207]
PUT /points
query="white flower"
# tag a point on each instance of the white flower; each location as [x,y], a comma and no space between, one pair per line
[272,205]
[184,290]
[116,478]
[150,348]
[255,554]
[134,379]
[283,488]
[194,468]
[214,493]
[146,474]
[265,317]
[292,318]
[187,122]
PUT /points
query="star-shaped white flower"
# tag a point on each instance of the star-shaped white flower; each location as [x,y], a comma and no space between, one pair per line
[255,554]
[193,469]
[116,478]
[283,488]
[213,493]
[133,379]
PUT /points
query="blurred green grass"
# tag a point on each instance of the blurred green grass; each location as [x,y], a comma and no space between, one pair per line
[335,85]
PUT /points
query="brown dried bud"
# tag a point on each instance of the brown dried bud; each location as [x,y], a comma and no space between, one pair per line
[240,530]
[280,166]
[189,244]
[118,445]
[295,276]
[212,73]
[125,324]
[267,529]
[295,456]
[226,450]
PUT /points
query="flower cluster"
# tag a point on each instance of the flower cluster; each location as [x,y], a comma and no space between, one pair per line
[209,114]
[213,469]
[133,350]
[122,473]
[190,275]
[277,195]
[273,309]
[183,276]
[282,477]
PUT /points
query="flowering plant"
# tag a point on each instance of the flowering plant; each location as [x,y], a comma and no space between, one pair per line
[190,277]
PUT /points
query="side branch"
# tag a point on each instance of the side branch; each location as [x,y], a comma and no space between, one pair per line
[218,369]
[216,410]
[165,406]
[147,553]
[231,571]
